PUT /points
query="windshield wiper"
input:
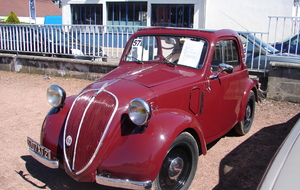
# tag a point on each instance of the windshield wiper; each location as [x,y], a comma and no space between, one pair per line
[137,60]
[173,64]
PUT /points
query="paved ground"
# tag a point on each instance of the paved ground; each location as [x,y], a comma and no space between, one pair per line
[231,162]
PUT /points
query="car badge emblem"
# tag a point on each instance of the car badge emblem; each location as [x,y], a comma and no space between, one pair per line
[68,140]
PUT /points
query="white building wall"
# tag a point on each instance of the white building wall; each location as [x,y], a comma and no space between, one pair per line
[242,15]
[66,10]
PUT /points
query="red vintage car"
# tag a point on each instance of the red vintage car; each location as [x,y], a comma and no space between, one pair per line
[144,124]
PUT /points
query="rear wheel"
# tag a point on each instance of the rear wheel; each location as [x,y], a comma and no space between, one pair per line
[180,164]
[244,126]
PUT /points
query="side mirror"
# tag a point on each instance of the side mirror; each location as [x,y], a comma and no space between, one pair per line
[223,68]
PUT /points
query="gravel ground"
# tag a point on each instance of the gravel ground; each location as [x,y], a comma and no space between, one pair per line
[231,162]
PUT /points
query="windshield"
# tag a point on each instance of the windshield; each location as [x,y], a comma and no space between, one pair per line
[173,50]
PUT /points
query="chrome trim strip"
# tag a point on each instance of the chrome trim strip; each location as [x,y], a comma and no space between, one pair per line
[80,126]
[49,163]
[121,183]
[144,69]
[65,130]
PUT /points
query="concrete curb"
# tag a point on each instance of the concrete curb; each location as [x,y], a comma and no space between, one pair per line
[62,67]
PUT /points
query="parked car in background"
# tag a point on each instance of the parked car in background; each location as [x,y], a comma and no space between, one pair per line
[283,171]
[259,54]
[291,45]
[144,124]
[46,41]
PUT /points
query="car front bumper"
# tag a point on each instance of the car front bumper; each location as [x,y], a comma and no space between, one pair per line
[49,163]
[104,179]
[41,154]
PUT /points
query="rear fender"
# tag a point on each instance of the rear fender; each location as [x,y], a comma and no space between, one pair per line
[251,85]
[139,156]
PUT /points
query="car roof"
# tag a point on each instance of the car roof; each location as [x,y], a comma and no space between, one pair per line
[208,34]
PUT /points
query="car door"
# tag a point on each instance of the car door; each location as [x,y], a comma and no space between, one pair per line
[223,94]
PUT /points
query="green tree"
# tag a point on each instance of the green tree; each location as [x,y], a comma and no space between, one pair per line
[12,18]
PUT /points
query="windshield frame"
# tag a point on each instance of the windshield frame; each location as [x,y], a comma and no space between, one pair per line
[160,57]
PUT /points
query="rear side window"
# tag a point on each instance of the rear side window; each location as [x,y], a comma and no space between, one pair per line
[226,51]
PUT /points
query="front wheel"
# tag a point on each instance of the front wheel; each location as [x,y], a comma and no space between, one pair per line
[244,126]
[180,164]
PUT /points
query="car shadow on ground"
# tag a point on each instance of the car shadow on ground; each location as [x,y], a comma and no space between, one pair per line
[40,177]
[244,167]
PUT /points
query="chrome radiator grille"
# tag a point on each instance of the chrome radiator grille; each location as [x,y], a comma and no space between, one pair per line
[86,126]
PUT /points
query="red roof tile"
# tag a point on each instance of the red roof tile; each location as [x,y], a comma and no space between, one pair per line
[21,8]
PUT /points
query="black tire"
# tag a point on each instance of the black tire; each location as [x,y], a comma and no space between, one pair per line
[243,127]
[180,164]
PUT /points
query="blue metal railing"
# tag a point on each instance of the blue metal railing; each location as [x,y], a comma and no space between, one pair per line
[99,42]
[78,41]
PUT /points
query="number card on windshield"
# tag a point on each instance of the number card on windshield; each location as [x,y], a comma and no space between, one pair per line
[136,42]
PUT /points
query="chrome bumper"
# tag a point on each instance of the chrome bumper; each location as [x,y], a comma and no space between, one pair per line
[120,183]
[49,163]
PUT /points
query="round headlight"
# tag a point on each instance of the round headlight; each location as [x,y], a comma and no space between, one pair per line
[56,95]
[139,111]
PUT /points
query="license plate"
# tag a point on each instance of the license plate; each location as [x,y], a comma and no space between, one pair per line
[39,149]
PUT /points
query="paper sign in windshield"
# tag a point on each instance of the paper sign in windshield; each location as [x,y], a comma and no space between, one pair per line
[191,53]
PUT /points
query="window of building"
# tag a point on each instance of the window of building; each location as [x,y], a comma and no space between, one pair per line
[127,13]
[173,15]
[87,14]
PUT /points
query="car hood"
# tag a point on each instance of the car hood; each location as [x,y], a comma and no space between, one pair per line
[150,75]
[288,55]
[90,121]
[109,97]
[283,57]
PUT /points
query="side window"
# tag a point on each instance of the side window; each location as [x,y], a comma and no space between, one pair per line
[226,51]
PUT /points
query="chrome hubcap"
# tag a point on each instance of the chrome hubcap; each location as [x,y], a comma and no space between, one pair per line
[248,116]
[248,112]
[175,168]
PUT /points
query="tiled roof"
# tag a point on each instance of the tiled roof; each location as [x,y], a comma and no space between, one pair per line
[21,8]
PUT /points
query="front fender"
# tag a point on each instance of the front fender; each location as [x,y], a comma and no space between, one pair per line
[251,85]
[52,128]
[139,156]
